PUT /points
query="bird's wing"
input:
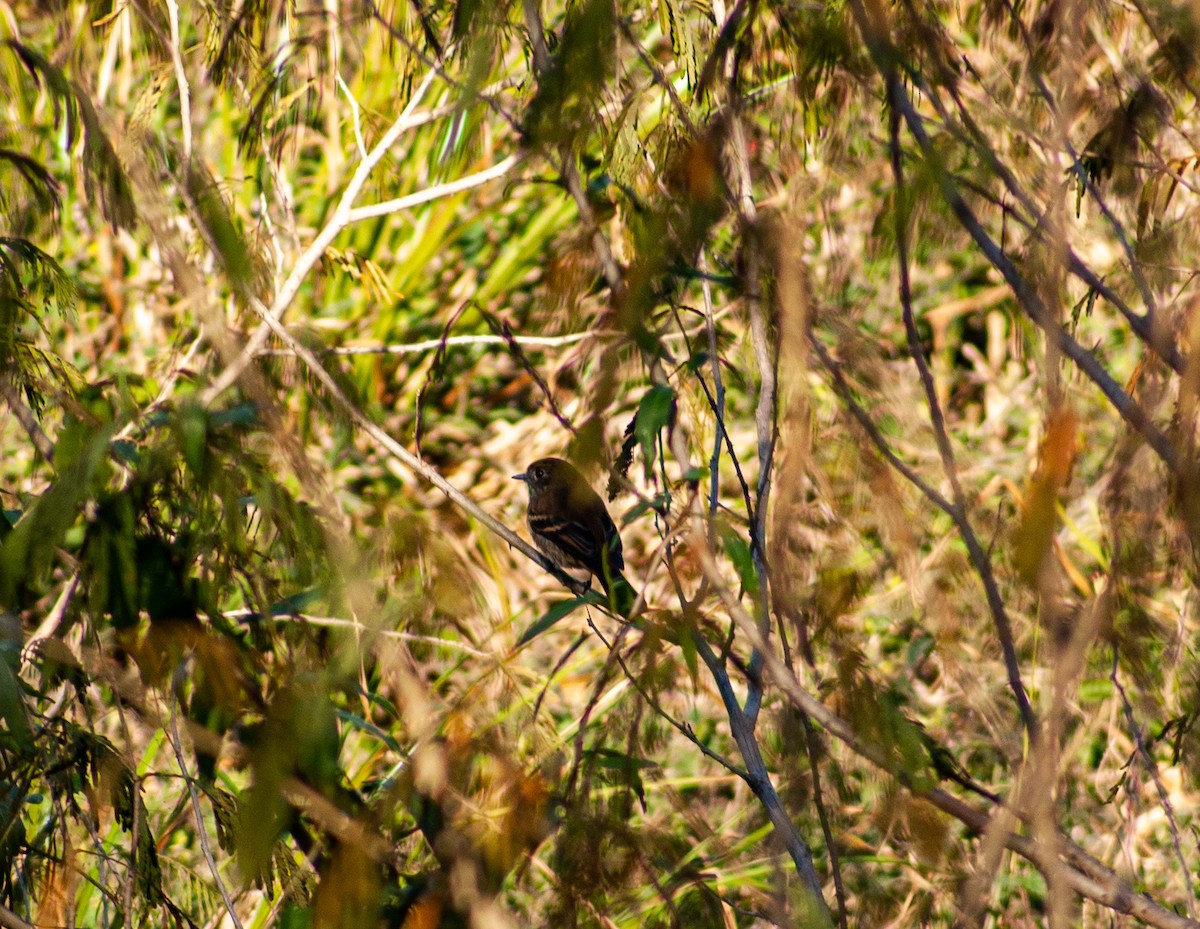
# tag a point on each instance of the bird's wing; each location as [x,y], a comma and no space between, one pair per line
[575,539]
[612,538]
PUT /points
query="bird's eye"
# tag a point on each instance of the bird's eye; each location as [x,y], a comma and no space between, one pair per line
[539,473]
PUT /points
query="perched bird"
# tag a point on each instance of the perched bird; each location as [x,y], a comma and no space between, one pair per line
[570,524]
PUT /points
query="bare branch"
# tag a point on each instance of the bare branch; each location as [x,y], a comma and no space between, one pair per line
[28,421]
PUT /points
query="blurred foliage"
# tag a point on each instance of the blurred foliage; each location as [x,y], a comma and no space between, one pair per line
[880,320]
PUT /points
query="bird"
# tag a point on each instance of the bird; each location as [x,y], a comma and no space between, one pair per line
[570,524]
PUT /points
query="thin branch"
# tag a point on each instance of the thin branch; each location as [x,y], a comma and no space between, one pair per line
[758,779]
[741,726]
[660,78]
[1085,875]
[355,112]
[568,170]
[411,461]
[181,80]
[416,348]
[308,259]
[718,400]
[901,215]
[1164,798]
[812,748]
[167,389]
[338,622]
[25,417]
[436,192]
[54,617]
[1027,297]
[463,89]
[684,729]
[537,35]
[938,421]
[201,833]
[10,920]
[766,359]
[975,550]
[1141,324]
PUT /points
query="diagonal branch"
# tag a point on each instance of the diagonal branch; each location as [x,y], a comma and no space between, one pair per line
[344,215]
[1082,873]
[411,461]
[978,556]
[28,421]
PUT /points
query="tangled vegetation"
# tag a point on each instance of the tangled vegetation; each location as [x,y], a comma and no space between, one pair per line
[876,324]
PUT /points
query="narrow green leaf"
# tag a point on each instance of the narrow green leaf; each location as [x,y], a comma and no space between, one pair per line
[296,603]
[12,710]
[557,612]
[656,410]
[370,728]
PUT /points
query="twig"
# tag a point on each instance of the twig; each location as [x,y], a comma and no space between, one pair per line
[514,347]
[1141,324]
[718,401]
[185,95]
[168,387]
[1035,308]
[758,778]
[436,192]
[427,345]
[812,748]
[558,666]
[1085,875]
[54,617]
[311,255]
[413,462]
[537,35]
[1152,766]
[10,920]
[338,622]
[717,406]
[28,421]
[683,728]
[979,558]
[354,109]
[201,832]
[766,358]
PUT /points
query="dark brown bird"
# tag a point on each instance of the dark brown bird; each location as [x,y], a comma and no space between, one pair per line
[570,523]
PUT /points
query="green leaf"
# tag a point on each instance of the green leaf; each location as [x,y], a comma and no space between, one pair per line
[29,550]
[656,410]
[370,728]
[557,612]
[571,88]
[193,428]
[12,711]
[296,603]
[687,645]
[240,414]
[628,766]
[223,232]
[126,452]
[619,761]
[737,547]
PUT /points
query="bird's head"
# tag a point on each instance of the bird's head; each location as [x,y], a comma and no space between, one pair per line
[544,472]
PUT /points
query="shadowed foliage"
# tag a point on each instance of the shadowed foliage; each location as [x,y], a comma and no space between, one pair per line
[876,325]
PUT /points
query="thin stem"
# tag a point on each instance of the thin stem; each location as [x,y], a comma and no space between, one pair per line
[201,832]
[978,557]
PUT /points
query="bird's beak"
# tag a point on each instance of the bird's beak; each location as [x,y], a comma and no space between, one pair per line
[521,477]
